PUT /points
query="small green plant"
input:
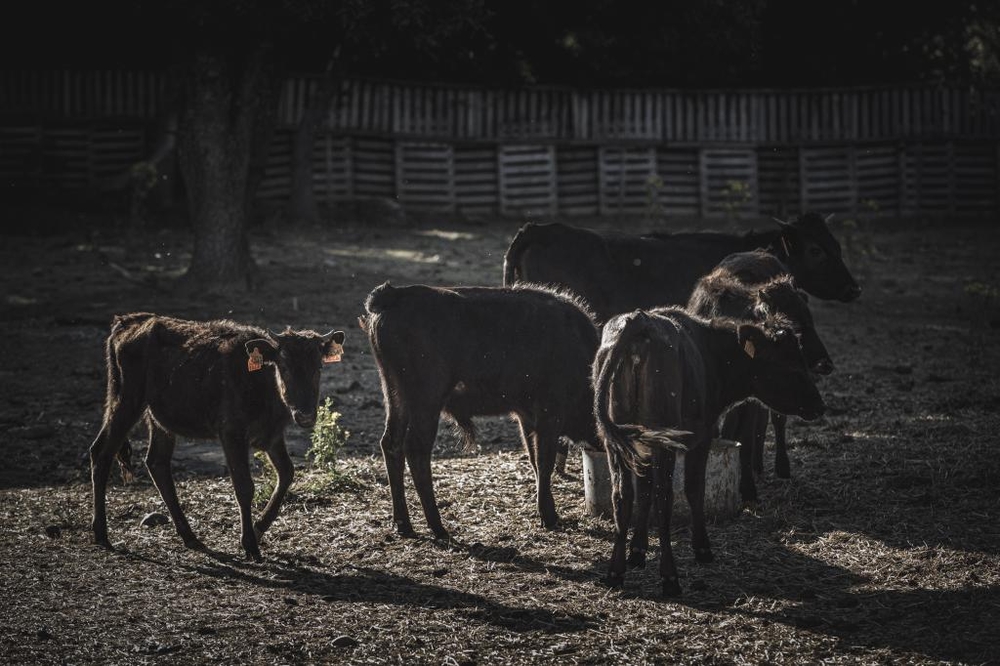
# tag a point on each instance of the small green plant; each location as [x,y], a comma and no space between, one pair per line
[654,209]
[143,177]
[736,194]
[328,437]
[985,298]
[264,486]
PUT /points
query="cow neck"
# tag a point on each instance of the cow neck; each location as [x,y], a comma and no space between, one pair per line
[727,369]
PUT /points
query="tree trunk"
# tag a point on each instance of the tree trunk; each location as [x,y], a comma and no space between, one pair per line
[221,109]
[302,203]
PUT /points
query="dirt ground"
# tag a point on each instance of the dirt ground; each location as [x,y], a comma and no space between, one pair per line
[884,547]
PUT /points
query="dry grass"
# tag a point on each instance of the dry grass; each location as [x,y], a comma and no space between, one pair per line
[884,547]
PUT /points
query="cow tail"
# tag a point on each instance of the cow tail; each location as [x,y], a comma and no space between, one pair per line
[381,298]
[621,438]
[512,258]
[124,453]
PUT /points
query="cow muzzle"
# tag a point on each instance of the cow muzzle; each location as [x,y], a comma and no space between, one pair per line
[304,419]
[852,293]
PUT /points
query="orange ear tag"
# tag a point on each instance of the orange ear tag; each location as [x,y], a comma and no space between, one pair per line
[336,351]
[256,361]
[749,348]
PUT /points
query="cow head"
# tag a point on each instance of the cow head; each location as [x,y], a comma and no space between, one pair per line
[779,374]
[779,297]
[814,257]
[297,357]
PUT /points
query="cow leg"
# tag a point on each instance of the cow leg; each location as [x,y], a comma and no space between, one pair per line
[782,468]
[694,488]
[238,459]
[158,455]
[282,462]
[392,442]
[541,449]
[118,420]
[735,428]
[639,544]
[541,452]
[545,445]
[419,443]
[621,507]
[664,494]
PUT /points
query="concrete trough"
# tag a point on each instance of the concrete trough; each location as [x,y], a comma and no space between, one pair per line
[722,483]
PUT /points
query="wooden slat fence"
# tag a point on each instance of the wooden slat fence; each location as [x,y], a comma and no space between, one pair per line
[543,151]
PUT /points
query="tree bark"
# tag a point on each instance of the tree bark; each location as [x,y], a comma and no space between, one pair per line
[223,101]
[302,206]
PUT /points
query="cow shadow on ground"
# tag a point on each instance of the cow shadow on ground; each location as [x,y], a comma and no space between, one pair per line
[809,594]
[354,584]
[511,556]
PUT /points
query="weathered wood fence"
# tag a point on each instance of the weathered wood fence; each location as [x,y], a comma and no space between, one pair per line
[560,151]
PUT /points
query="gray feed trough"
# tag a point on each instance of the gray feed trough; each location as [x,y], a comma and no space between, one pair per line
[722,483]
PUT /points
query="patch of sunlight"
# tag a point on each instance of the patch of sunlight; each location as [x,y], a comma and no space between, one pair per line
[415,256]
[447,235]
[931,417]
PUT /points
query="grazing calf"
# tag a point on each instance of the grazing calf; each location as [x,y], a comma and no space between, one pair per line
[475,351]
[659,375]
[215,379]
[754,286]
[618,273]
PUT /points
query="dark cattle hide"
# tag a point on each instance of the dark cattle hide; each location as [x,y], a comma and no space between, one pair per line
[475,351]
[755,286]
[216,379]
[658,376]
[619,273]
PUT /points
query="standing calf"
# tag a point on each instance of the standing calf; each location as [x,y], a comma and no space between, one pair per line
[659,375]
[756,286]
[216,379]
[476,351]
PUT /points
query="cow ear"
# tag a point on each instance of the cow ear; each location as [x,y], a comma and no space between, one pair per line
[751,339]
[333,347]
[765,297]
[259,352]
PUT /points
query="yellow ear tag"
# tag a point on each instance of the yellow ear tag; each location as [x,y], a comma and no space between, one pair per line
[749,348]
[336,351]
[256,360]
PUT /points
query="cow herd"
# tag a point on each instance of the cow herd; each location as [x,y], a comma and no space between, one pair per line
[641,346]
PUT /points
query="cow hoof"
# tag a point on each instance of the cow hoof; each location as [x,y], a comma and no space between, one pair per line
[550,523]
[442,534]
[194,543]
[405,530]
[636,560]
[255,556]
[103,543]
[671,588]
[615,582]
[703,555]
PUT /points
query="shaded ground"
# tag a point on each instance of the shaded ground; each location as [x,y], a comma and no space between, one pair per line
[884,547]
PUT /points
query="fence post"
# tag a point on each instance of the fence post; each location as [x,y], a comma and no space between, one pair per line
[803,175]
[702,182]
[901,162]
[852,174]
[996,169]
